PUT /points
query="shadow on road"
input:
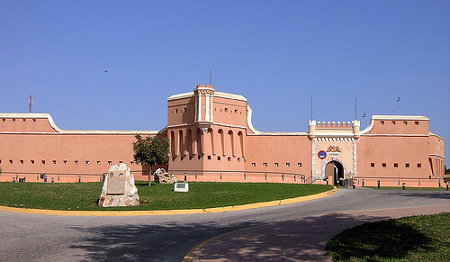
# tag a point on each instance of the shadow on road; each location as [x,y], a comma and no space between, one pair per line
[170,242]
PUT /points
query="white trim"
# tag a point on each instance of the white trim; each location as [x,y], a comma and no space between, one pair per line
[199,105]
[61,131]
[399,117]
[436,155]
[249,120]
[180,96]
[207,117]
[230,96]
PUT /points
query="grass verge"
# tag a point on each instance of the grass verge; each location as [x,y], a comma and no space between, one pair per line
[415,238]
[83,196]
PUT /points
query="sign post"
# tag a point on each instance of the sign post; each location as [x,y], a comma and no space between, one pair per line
[322,155]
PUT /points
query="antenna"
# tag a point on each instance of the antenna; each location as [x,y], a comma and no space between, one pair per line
[30,102]
[210,77]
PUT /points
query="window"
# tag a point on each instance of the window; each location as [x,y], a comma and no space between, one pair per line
[288,164]
[218,158]
[24,120]
[99,163]
[264,164]
[10,161]
[226,109]
[76,162]
[65,162]
[253,164]
[395,164]
[407,165]
[209,157]
[299,164]
[372,164]
[176,111]
[87,162]
[32,162]
[54,162]
[235,110]
[109,162]
[276,164]
[21,161]
[383,164]
[43,162]
[198,157]
[405,122]
[419,165]
[381,122]
[393,122]
[120,162]
[416,123]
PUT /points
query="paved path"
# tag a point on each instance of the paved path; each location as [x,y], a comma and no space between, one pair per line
[30,237]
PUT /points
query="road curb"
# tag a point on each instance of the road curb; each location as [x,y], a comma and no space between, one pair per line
[167,212]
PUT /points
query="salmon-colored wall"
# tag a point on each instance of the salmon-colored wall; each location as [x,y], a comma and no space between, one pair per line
[212,139]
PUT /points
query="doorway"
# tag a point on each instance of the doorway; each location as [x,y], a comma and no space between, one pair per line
[335,170]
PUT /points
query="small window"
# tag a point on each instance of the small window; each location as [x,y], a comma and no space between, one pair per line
[383,164]
[43,162]
[209,157]
[276,164]
[393,122]
[264,164]
[176,111]
[253,164]
[288,164]
[120,162]
[218,157]
[395,164]
[65,162]
[198,157]
[99,162]
[372,164]
[11,161]
[419,165]
[54,162]
[14,120]
[131,163]
[299,164]
[235,110]
[407,165]
[226,109]
[32,162]
[239,159]
[229,158]
[24,120]
[405,122]
[87,162]
[21,161]
[76,162]
[416,123]
[381,122]
[109,162]
[34,120]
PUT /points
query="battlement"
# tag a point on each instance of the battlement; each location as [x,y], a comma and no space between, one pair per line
[337,125]
[208,86]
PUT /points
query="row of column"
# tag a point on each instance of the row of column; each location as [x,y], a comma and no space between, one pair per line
[221,142]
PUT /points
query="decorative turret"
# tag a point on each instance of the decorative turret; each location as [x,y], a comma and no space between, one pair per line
[204,106]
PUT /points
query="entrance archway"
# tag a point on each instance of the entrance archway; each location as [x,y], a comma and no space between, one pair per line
[336,170]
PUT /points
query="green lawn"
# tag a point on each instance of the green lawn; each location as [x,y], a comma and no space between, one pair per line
[83,196]
[416,238]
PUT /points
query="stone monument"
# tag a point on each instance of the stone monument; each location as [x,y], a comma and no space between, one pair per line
[118,188]
[163,177]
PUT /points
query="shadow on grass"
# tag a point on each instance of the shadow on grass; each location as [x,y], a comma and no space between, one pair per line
[383,240]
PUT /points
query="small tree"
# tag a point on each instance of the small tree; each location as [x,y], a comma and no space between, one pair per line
[150,151]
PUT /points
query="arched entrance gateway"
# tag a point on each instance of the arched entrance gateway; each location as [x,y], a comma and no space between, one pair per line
[336,170]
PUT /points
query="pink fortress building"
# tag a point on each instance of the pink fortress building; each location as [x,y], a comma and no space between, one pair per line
[213,139]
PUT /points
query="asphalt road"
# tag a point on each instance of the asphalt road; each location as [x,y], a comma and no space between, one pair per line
[28,237]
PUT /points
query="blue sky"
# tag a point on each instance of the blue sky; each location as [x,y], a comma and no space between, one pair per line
[278,54]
